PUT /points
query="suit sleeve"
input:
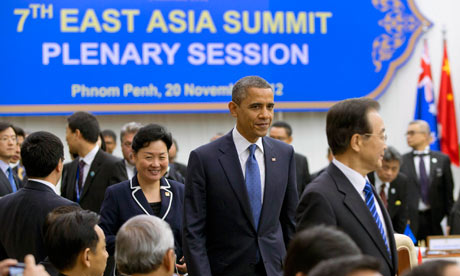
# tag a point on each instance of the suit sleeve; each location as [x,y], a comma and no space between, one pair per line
[194,224]
[287,215]
[109,220]
[314,209]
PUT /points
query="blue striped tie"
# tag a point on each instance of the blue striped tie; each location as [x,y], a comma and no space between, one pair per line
[370,202]
[253,184]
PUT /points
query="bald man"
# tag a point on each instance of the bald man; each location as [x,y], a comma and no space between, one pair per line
[431,184]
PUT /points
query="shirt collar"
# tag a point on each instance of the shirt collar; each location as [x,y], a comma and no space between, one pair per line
[4,167]
[14,165]
[425,151]
[242,144]
[356,179]
[90,156]
[46,183]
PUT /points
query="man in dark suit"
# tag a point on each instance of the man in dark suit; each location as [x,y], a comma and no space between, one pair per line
[9,182]
[431,186]
[241,193]
[342,196]
[282,131]
[15,160]
[176,171]
[23,213]
[89,175]
[391,186]
[126,165]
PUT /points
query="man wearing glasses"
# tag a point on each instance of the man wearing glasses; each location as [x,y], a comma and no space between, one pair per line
[431,185]
[9,182]
[342,195]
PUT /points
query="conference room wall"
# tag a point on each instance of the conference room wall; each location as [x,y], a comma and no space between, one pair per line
[397,103]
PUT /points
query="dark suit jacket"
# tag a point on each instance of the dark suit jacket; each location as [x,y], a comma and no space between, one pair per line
[121,167]
[126,200]
[397,201]
[219,233]
[440,191]
[302,172]
[102,173]
[5,186]
[332,200]
[22,215]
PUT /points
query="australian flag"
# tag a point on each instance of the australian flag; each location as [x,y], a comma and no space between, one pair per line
[425,107]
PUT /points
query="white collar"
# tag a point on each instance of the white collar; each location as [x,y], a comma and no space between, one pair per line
[90,156]
[4,167]
[425,151]
[14,165]
[242,143]
[46,183]
[356,179]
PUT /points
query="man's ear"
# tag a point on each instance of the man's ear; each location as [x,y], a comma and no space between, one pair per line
[355,142]
[232,106]
[169,260]
[60,166]
[289,140]
[85,258]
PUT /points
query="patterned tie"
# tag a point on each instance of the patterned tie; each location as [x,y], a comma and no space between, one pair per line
[424,181]
[371,205]
[11,179]
[383,195]
[81,167]
[253,184]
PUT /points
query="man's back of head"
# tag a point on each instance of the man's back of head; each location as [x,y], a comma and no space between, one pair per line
[436,268]
[76,244]
[348,266]
[145,245]
[42,155]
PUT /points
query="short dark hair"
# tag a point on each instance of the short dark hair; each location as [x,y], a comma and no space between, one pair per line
[86,123]
[315,244]
[392,154]
[346,118]
[68,235]
[284,125]
[344,266]
[431,268]
[111,133]
[51,217]
[241,87]
[5,125]
[41,153]
[19,131]
[151,133]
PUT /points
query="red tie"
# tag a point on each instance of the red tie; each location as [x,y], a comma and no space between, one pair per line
[383,196]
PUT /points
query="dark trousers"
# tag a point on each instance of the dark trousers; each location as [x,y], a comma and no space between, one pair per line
[426,227]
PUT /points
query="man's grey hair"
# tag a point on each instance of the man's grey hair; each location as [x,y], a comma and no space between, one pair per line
[425,127]
[131,127]
[241,87]
[141,244]
[392,154]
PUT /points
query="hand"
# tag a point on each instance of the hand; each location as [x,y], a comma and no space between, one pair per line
[5,264]
[182,268]
[32,269]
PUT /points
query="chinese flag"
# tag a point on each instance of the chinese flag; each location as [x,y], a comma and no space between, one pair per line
[446,113]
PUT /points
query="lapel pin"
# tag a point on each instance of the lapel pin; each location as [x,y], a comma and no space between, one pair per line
[434,160]
[166,193]
[91,173]
[393,190]
[273,159]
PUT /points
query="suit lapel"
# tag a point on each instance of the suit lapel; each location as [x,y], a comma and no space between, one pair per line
[433,166]
[271,193]
[139,197]
[72,180]
[359,209]
[412,170]
[93,170]
[392,198]
[230,163]
[166,198]
[5,182]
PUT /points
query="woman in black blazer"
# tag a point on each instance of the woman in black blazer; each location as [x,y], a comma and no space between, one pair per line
[148,192]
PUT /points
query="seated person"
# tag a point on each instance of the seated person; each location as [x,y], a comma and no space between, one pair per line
[145,246]
[435,268]
[76,244]
[313,245]
[348,266]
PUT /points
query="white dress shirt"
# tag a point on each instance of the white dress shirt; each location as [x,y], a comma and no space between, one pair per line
[129,169]
[426,160]
[359,182]
[46,183]
[242,146]
[378,185]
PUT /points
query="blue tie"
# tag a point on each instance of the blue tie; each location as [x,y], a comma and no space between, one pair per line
[253,185]
[370,202]
[11,179]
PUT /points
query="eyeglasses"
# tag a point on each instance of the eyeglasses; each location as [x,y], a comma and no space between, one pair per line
[5,138]
[382,136]
[413,132]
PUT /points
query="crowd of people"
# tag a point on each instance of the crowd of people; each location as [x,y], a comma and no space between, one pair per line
[245,204]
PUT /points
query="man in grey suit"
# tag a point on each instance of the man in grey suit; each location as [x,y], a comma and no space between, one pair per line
[240,193]
[90,174]
[126,165]
[9,181]
[342,195]
[431,186]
